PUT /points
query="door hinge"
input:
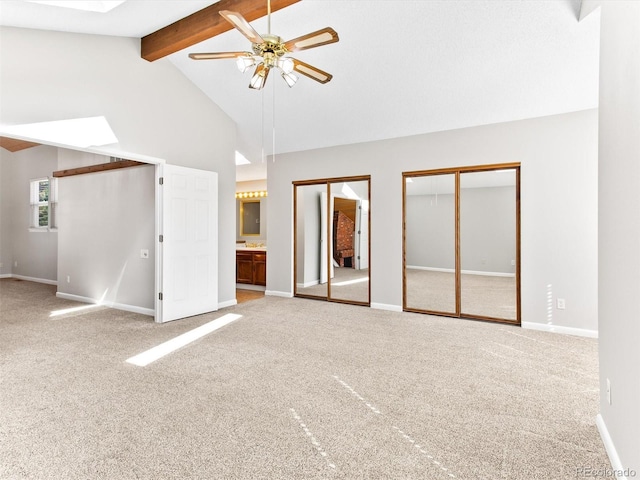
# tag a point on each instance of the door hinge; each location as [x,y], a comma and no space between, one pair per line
[161,238]
[160,296]
[161,180]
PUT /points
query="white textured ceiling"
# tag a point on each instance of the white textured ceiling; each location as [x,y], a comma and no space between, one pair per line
[401,67]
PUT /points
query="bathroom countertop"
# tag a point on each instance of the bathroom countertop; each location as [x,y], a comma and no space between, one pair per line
[251,249]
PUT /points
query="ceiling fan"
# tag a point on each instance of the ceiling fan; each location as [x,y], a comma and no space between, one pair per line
[269,51]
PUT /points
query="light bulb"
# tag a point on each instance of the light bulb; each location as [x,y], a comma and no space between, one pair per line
[290,78]
[245,62]
[259,77]
[286,65]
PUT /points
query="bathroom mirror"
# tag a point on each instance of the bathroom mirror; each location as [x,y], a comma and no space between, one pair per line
[430,243]
[331,240]
[250,218]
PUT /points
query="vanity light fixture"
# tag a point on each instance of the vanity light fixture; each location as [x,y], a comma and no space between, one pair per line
[258,194]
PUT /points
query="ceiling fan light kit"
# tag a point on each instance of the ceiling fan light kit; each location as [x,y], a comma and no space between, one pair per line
[269,52]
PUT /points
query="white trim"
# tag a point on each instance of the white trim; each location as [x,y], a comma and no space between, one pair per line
[228,303]
[616,464]
[131,308]
[275,293]
[579,332]
[116,306]
[247,286]
[312,283]
[466,272]
[385,306]
[75,298]
[5,275]
[33,279]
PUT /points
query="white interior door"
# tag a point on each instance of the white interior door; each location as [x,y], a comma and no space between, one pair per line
[362,231]
[188,249]
[323,238]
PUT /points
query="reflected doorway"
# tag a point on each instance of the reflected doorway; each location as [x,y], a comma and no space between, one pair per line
[331,239]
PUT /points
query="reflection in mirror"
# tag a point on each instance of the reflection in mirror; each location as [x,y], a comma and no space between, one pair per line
[349,241]
[310,242]
[430,256]
[488,244]
[250,218]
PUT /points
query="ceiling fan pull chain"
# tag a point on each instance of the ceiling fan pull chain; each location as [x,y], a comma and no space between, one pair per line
[269,17]
[273,124]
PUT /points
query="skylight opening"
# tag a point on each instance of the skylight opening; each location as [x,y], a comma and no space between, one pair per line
[77,132]
[102,6]
[241,159]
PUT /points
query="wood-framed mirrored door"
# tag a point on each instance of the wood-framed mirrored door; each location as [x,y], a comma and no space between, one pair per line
[461,242]
[332,225]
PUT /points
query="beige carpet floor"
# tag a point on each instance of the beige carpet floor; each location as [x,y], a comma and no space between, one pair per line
[295,389]
[481,295]
[347,284]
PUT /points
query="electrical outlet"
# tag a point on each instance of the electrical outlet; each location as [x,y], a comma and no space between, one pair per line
[144,253]
[513,263]
[561,304]
[15,264]
[68,278]
[608,391]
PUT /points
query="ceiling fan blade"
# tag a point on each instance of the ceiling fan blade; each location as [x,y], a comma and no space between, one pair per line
[238,21]
[311,40]
[217,55]
[311,71]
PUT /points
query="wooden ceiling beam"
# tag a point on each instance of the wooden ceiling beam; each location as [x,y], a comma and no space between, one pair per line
[15,145]
[202,25]
[97,168]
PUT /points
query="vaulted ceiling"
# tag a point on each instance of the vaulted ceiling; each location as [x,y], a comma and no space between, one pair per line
[401,67]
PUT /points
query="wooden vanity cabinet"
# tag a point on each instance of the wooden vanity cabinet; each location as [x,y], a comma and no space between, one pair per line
[251,268]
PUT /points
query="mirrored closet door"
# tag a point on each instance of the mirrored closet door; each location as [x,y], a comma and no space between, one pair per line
[461,242]
[332,238]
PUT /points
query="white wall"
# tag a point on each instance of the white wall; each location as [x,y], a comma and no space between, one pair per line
[104,220]
[487,230]
[558,204]
[35,252]
[152,108]
[6,248]
[619,231]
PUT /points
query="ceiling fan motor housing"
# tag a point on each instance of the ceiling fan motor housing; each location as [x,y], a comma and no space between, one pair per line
[272,47]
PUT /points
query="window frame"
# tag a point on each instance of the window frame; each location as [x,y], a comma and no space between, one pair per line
[35,204]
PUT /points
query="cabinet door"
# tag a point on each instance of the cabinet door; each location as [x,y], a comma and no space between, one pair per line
[244,268]
[259,269]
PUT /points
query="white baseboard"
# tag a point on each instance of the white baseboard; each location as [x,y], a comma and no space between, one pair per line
[275,293]
[616,464]
[246,286]
[29,279]
[117,306]
[228,303]
[308,284]
[465,272]
[385,306]
[579,332]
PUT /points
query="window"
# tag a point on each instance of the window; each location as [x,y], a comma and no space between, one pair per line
[43,204]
